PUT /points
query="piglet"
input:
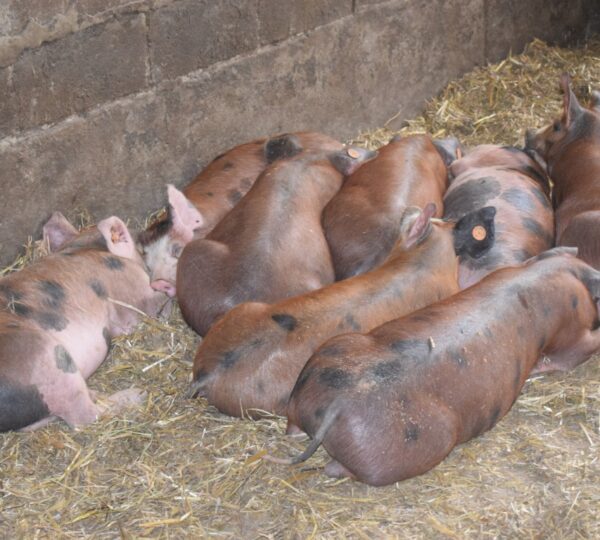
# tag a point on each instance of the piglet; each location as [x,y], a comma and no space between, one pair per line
[510,180]
[57,318]
[271,245]
[570,147]
[391,404]
[361,221]
[251,358]
[194,213]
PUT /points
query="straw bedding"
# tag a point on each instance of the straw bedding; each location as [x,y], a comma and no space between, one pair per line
[176,468]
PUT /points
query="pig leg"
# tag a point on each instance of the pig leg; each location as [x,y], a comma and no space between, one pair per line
[336,470]
[583,349]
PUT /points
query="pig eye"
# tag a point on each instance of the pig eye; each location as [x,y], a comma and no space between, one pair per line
[176,250]
[556,126]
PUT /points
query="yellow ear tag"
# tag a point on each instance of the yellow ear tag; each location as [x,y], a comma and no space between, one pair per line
[479,232]
[352,153]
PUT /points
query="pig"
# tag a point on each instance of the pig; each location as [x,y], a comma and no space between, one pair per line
[391,404]
[251,358]
[511,180]
[570,147]
[361,221]
[193,213]
[271,245]
[57,318]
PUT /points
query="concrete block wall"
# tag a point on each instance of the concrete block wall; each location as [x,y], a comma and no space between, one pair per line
[102,102]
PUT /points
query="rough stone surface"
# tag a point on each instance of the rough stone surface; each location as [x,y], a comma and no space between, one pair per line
[106,101]
[279,19]
[71,75]
[185,36]
[511,24]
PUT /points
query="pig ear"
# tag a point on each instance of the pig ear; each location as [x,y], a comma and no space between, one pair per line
[184,216]
[281,147]
[58,231]
[449,148]
[351,158]
[595,102]
[117,237]
[420,228]
[571,107]
[474,233]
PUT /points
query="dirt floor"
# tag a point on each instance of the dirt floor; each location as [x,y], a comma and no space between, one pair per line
[176,468]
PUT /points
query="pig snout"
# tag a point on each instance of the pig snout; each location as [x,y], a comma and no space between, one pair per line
[164,286]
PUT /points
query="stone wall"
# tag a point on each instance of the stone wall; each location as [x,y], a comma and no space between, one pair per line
[102,102]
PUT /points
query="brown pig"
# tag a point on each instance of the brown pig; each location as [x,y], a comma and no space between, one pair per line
[391,404]
[251,358]
[271,245]
[570,147]
[193,213]
[361,221]
[509,179]
[57,318]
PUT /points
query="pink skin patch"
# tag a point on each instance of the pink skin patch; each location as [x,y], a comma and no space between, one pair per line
[164,286]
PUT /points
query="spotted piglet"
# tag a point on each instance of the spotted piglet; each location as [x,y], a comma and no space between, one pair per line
[391,404]
[57,318]
[509,179]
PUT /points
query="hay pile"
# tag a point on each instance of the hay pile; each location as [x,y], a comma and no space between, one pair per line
[177,468]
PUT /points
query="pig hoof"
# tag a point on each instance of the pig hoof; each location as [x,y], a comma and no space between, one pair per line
[336,470]
[123,399]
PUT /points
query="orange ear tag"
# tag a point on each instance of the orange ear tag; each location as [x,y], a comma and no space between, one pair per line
[352,153]
[479,232]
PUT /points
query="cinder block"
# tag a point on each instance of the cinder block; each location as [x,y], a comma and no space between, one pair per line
[73,74]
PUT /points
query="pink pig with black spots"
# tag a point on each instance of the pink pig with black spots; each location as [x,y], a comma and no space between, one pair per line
[57,318]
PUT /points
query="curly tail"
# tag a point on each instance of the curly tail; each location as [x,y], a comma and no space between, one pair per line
[330,417]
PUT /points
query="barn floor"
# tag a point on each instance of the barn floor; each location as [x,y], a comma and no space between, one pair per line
[176,468]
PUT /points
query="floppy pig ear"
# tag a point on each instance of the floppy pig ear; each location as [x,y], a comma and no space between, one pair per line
[117,237]
[449,148]
[474,234]
[571,107]
[185,217]
[420,227]
[57,232]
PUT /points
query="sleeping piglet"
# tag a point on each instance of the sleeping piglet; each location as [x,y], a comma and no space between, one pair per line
[391,404]
[57,318]
[251,358]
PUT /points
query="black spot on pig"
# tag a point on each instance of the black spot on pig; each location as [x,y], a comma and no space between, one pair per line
[54,294]
[411,348]
[536,229]
[384,371]
[107,338]
[227,165]
[411,432]
[540,196]
[20,405]
[465,243]
[574,302]
[113,263]
[352,323]
[287,322]
[98,288]
[319,412]
[521,255]
[518,199]
[50,320]
[335,378]
[22,310]
[470,196]
[230,358]
[281,147]
[234,196]
[596,324]
[458,358]
[10,294]
[246,183]
[63,359]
